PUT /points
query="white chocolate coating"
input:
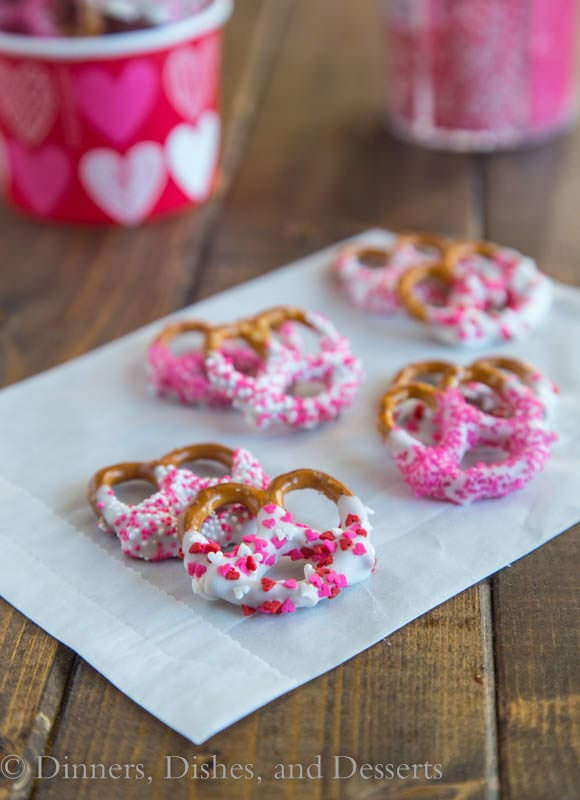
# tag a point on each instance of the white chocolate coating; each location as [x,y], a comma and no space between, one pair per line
[148,530]
[492,301]
[266,398]
[436,470]
[333,559]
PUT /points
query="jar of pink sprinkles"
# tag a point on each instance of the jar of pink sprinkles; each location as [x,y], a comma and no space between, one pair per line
[480,74]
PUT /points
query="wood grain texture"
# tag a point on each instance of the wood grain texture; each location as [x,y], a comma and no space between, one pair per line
[320,165]
[35,670]
[535,603]
[413,698]
[536,611]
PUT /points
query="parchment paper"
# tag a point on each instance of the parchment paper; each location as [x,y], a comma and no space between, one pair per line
[139,623]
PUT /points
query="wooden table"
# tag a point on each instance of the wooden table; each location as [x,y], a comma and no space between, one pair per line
[485,685]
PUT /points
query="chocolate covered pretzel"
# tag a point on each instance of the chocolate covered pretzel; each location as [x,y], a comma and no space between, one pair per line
[369,274]
[491,293]
[148,530]
[332,559]
[468,407]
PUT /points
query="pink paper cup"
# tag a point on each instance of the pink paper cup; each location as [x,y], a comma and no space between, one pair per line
[117,129]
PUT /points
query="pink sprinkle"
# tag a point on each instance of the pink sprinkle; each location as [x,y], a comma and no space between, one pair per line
[311,535]
[260,544]
[278,543]
[287,606]
[290,583]
[287,517]
[270,508]
[196,570]
[359,549]
[224,569]
[269,523]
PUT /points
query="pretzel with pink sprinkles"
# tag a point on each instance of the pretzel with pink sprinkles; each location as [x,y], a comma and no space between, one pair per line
[545,390]
[493,294]
[148,530]
[332,559]
[267,397]
[184,376]
[460,425]
[444,373]
[369,275]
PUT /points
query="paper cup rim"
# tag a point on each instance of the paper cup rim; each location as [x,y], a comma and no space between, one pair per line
[62,48]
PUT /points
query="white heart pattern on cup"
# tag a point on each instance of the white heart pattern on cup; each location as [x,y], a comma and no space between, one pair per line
[190,77]
[126,187]
[27,101]
[192,153]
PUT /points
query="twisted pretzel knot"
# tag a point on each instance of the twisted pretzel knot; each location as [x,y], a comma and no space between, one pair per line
[184,376]
[257,330]
[496,403]
[501,301]
[333,558]
[258,375]
[369,274]
[268,396]
[148,530]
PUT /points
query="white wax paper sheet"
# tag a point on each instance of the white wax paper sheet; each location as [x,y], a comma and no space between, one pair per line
[139,623]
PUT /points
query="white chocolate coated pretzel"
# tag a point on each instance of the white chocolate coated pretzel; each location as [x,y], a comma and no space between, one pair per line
[148,530]
[436,470]
[494,294]
[332,559]
[369,275]
[266,398]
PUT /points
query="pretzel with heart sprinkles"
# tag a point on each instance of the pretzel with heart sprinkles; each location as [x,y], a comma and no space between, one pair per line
[493,294]
[333,558]
[461,422]
[369,274]
[148,530]
[266,398]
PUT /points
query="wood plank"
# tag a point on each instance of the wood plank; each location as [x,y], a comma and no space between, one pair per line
[536,609]
[413,698]
[35,670]
[63,291]
[536,602]
[320,166]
